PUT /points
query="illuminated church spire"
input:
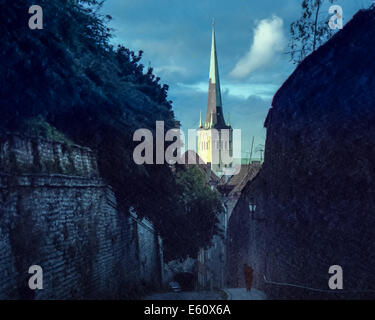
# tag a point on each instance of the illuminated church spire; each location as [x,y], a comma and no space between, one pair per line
[214,105]
[214,147]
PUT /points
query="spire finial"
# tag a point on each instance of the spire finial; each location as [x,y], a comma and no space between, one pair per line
[200,119]
[228,119]
[213,22]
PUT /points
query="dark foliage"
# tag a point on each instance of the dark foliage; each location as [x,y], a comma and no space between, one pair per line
[197,206]
[70,77]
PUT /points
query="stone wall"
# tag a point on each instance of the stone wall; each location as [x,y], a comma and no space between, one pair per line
[211,260]
[315,192]
[211,265]
[22,154]
[71,227]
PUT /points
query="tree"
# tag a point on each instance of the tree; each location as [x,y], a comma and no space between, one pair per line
[196,221]
[309,31]
[67,82]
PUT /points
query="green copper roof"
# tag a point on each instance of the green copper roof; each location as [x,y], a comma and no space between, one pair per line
[214,68]
[214,113]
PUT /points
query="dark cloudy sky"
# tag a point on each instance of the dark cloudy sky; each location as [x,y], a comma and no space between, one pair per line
[251,36]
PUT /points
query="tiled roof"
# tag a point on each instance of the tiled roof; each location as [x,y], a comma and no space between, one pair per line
[237,182]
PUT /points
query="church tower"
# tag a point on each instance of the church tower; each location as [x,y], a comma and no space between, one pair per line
[213,141]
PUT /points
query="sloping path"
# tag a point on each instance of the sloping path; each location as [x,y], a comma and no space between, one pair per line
[196,295]
[242,294]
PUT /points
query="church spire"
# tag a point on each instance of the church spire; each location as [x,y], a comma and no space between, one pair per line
[214,70]
[214,105]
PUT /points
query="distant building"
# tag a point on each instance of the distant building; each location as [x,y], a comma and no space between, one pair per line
[231,187]
[213,142]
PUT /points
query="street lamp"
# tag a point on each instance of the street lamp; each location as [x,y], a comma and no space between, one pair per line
[252,207]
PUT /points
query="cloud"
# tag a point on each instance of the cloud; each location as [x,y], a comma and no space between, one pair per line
[241,91]
[268,40]
[170,69]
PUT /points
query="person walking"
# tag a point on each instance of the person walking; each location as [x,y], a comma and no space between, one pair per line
[248,272]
